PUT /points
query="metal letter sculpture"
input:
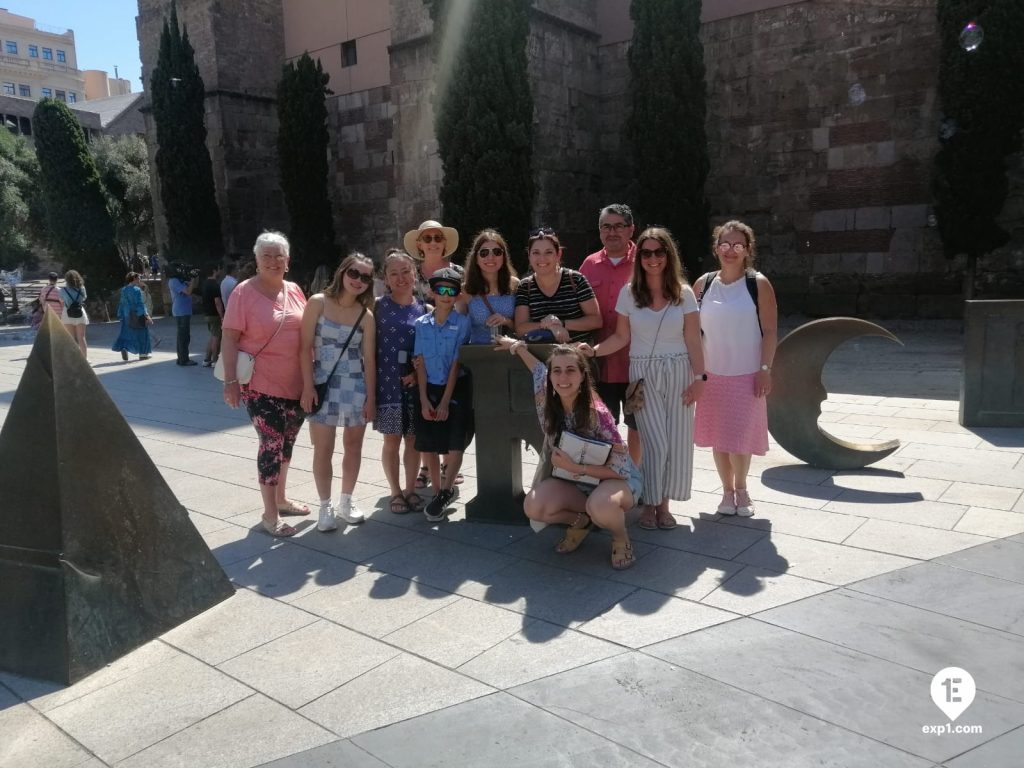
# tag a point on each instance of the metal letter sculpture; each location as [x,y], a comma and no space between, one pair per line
[97,556]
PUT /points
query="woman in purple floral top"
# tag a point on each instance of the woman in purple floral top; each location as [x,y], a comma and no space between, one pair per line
[566,400]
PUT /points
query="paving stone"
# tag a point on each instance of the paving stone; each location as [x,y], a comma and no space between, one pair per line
[235,626]
[1001,559]
[337,754]
[932,455]
[206,524]
[29,739]
[375,603]
[401,688]
[123,718]
[682,574]
[990,496]
[234,543]
[245,734]
[307,663]
[591,559]
[949,435]
[953,592]
[819,560]
[798,521]
[356,543]
[1002,751]
[486,535]
[889,484]
[913,637]
[646,617]
[678,717]
[791,494]
[995,473]
[702,537]
[440,563]
[898,509]
[290,572]
[465,736]
[910,540]
[876,698]
[990,522]
[755,589]
[557,596]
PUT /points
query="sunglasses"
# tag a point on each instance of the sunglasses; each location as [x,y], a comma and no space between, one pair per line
[734,247]
[355,274]
[657,253]
[485,252]
[432,238]
[446,290]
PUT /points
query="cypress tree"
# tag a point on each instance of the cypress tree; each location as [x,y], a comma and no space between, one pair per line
[80,226]
[484,118]
[19,204]
[182,160]
[665,127]
[981,95]
[302,150]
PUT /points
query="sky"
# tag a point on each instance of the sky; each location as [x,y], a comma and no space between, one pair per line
[104,31]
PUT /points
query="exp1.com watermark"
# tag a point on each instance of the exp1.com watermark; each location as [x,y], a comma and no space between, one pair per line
[953,692]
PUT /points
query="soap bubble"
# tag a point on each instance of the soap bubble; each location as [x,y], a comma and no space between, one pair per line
[857,94]
[971,37]
[948,129]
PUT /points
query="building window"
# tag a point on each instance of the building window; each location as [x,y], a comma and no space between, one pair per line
[61,57]
[33,51]
[48,54]
[71,97]
[47,93]
[24,90]
[12,48]
[9,89]
[60,95]
[348,54]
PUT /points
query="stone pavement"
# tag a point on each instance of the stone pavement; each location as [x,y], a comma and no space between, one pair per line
[807,635]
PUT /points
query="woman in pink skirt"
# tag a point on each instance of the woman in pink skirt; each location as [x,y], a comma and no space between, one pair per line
[739,317]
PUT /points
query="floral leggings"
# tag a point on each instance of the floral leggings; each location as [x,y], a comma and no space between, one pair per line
[277,421]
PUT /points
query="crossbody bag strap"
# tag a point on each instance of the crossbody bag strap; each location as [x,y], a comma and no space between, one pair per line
[284,315]
[488,304]
[347,342]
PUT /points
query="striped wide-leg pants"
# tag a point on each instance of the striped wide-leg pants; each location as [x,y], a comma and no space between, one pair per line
[666,427]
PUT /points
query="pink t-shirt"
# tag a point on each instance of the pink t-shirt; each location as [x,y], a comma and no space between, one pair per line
[256,317]
[607,279]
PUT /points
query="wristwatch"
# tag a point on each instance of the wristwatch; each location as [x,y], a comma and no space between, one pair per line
[765,367]
[701,376]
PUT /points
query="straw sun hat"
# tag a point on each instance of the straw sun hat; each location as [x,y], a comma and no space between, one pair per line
[451,237]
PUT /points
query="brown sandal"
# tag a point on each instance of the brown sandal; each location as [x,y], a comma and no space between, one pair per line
[398,505]
[574,535]
[622,555]
[279,529]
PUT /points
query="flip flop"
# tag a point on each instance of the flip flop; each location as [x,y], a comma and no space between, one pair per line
[291,509]
[279,529]
[398,505]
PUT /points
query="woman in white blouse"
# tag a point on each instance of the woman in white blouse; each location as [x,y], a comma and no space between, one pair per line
[658,319]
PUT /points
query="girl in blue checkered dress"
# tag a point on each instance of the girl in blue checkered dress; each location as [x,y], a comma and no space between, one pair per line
[330,319]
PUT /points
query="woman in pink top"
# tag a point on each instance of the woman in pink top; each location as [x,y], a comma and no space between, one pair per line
[264,318]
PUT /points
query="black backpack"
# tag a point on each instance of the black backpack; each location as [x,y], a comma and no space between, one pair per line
[751,280]
[75,307]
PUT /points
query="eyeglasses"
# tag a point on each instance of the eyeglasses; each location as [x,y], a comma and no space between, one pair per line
[483,253]
[541,232]
[657,253]
[616,227]
[446,290]
[355,274]
[734,247]
[432,238]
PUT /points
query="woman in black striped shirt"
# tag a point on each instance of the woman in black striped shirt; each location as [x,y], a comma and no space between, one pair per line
[554,298]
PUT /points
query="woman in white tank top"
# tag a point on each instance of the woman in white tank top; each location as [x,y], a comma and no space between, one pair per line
[739,346]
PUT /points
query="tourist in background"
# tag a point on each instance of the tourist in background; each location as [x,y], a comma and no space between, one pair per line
[264,318]
[73,314]
[213,308]
[180,286]
[338,345]
[739,316]
[228,282]
[659,323]
[49,297]
[395,315]
[133,335]
[489,288]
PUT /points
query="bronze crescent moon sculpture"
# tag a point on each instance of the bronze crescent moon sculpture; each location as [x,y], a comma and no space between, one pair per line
[797,393]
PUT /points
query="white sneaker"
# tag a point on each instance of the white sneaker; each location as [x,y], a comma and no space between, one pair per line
[326,522]
[350,513]
[744,506]
[728,505]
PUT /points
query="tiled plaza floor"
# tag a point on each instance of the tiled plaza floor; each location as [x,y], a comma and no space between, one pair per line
[807,635]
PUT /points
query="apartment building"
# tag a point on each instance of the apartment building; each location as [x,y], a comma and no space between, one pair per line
[38,62]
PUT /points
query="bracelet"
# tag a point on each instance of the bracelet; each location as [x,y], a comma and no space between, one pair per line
[514,347]
[231,381]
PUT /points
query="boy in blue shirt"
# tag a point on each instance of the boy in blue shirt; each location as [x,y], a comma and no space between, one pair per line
[445,421]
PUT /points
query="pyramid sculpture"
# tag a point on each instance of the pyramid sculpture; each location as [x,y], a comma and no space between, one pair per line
[97,556]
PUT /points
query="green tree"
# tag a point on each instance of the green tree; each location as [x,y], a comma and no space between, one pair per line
[123,165]
[665,127]
[981,95]
[182,159]
[302,152]
[484,118]
[21,208]
[80,227]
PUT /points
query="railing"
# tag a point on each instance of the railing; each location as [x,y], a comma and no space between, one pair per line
[9,62]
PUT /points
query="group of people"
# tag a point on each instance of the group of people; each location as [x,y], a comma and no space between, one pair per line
[68,303]
[690,365]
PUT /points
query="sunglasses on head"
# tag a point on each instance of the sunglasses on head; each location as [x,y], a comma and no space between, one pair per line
[432,238]
[496,251]
[355,274]
[542,232]
[446,290]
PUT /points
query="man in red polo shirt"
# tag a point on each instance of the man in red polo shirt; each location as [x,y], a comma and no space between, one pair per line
[608,271]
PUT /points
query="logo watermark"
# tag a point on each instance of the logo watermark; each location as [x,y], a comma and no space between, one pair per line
[953,691]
